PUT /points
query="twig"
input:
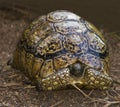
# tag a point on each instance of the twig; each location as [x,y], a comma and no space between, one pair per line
[18,85]
[110,103]
[111,33]
[76,87]
[13,76]
[116,92]
[56,104]
[29,87]
[96,100]
[87,96]
[116,81]
[10,84]
[90,93]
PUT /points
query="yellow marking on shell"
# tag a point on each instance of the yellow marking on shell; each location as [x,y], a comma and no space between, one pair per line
[63,81]
[91,83]
[57,78]
[37,63]
[54,77]
[55,45]
[80,82]
[49,88]
[104,88]
[47,68]
[91,74]
[88,75]
[55,83]
[51,44]
[69,46]
[92,78]
[44,84]
[35,33]
[96,82]
[102,83]
[67,75]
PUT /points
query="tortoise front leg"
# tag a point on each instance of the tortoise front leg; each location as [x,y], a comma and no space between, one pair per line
[55,81]
[97,80]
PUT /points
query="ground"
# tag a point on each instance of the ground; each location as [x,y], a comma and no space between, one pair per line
[15,88]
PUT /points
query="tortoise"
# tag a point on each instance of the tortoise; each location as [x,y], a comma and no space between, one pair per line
[62,48]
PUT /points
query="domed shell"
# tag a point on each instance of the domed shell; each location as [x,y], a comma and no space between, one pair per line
[57,40]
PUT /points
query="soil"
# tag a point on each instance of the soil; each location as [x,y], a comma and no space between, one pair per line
[15,88]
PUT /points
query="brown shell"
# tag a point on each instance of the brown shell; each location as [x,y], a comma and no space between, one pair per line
[57,40]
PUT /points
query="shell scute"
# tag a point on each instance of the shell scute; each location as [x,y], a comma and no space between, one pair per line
[47,68]
[64,60]
[58,16]
[76,43]
[50,45]
[69,27]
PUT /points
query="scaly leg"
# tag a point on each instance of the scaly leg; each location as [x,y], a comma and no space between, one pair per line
[97,80]
[55,81]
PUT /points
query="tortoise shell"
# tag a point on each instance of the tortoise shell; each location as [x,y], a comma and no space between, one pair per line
[61,48]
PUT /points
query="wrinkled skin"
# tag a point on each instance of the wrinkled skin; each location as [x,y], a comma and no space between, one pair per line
[61,49]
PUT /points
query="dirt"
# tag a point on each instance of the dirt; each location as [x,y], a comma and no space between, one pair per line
[15,88]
